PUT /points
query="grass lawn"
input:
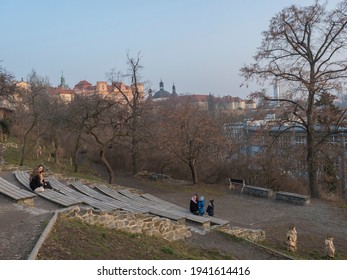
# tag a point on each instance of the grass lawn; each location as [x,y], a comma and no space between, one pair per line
[71,239]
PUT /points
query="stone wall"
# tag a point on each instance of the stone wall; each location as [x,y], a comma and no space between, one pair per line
[254,235]
[132,222]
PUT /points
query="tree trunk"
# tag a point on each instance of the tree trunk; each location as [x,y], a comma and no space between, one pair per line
[25,141]
[74,157]
[134,153]
[56,153]
[135,144]
[111,174]
[193,172]
[312,166]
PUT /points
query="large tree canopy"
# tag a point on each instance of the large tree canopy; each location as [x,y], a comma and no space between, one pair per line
[306,48]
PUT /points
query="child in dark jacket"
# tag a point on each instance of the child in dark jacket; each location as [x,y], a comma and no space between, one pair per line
[210,208]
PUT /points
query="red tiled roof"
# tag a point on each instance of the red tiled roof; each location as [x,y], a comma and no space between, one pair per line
[231,99]
[83,84]
[60,90]
[200,97]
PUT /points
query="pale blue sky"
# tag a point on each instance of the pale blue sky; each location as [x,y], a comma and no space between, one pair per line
[198,44]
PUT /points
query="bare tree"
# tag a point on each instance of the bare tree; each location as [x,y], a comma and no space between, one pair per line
[186,131]
[7,91]
[136,105]
[7,85]
[105,123]
[53,126]
[304,47]
[29,109]
[77,118]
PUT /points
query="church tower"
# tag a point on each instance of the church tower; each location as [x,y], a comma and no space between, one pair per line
[174,90]
[62,81]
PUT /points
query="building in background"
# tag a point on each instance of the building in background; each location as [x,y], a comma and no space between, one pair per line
[117,91]
[204,101]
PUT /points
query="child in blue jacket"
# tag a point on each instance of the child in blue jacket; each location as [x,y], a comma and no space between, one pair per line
[201,205]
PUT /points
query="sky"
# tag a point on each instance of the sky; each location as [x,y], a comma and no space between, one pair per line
[199,45]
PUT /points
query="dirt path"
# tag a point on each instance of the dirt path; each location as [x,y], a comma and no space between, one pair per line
[21,225]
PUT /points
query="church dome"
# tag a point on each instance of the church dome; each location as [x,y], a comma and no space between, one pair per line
[83,83]
[161,93]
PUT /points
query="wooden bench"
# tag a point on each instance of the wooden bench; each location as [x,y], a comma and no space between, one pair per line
[137,201]
[56,197]
[163,203]
[233,182]
[204,221]
[152,207]
[217,221]
[16,193]
[293,197]
[257,191]
[90,192]
[95,203]
[102,197]
[179,209]
[133,196]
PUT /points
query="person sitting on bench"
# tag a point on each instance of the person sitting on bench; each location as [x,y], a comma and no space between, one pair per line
[194,205]
[201,205]
[210,208]
[37,181]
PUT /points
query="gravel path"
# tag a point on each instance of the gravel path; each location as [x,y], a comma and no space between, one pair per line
[313,222]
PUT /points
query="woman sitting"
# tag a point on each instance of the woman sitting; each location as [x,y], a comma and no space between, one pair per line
[194,208]
[37,181]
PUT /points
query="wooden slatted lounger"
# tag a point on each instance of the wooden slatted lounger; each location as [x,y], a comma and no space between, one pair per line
[148,205]
[57,185]
[102,197]
[16,193]
[56,197]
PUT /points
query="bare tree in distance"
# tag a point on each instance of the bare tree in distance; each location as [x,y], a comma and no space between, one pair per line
[7,84]
[187,133]
[135,103]
[305,47]
[7,92]
[77,117]
[105,123]
[30,107]
[54,126]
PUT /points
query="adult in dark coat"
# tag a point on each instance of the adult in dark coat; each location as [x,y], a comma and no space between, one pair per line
[37,181]
[194,205]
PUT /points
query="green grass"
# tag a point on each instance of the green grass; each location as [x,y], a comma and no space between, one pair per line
[11,156]
[72,239]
